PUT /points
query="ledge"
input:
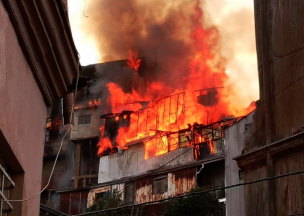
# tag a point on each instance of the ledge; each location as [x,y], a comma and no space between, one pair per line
[276,149]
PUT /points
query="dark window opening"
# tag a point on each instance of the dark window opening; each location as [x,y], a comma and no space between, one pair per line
[160,185]
[102,195]
[85,120]
[129,192]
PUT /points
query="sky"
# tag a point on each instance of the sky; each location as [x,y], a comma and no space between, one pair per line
[235,21]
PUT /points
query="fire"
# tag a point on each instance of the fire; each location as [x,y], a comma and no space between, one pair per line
[211,146]
[94,102]
[133,61]
[104,145]
[122,137]
[202,100]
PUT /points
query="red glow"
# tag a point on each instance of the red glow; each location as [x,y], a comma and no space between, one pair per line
[133,61]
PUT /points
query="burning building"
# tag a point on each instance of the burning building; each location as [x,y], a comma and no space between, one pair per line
[149,127]
[128,136]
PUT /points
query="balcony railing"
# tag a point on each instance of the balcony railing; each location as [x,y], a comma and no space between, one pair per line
[85,180]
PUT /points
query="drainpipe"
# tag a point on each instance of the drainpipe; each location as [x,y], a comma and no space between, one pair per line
[67,108]
[198,173]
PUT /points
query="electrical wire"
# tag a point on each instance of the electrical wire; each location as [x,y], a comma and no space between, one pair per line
[273,96]
[61,144]
[191,148]
[194,193]
[149,174]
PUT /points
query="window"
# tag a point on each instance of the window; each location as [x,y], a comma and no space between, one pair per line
[84,120]
[5,185]
[160,185]
[129,192]
[102,195]
[47,136]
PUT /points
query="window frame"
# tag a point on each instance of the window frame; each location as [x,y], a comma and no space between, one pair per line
[163,184]
[85,120]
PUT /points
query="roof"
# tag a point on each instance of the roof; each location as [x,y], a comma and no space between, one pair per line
[44,32]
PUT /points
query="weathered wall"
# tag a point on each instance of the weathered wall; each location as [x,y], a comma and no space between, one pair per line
[290,190]
[93,192]
[256,199]
[131,162]
[178,182]
[286,37]
[280,42]
[84,131]
[279,118]
[73,202]
[235,137]
[23,112]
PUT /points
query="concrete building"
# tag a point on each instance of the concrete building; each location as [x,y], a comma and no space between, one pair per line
[276,147]
[38,62]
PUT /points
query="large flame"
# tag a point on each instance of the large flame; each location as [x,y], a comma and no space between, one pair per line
[189,42]
[203,101]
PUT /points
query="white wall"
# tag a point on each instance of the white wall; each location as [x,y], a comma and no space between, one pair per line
[234,141]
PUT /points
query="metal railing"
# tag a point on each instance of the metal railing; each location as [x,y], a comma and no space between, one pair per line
[84,178]
[3,198]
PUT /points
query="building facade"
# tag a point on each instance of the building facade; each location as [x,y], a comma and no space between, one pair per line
[277,143]
[29,83]
[154,163]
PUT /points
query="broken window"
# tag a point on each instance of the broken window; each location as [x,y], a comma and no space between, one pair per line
[84,120]
[129,192]
[160,185]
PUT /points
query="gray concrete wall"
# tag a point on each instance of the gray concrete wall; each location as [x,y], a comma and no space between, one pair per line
[22,113]
[235,137]
[86,130]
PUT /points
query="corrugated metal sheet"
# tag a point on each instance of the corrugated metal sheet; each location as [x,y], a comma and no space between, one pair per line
[179,182]
[73,202]
[131,162]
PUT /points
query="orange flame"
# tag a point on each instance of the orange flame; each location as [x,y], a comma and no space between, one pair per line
[184,106]
[211,146]
[133,61]
[122,137]
[94,102]
[103,145]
